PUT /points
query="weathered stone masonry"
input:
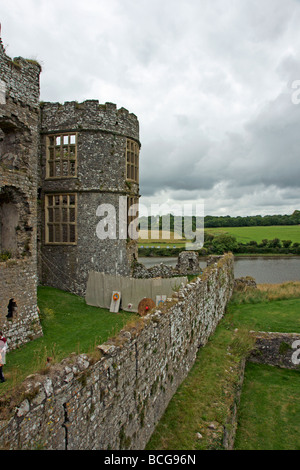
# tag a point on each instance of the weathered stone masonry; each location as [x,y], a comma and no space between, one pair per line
[100,175]
[276,349]
[115,402]
[58,165]
[19,140]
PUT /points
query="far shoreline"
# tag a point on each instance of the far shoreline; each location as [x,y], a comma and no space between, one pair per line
[236,255]
[264,255]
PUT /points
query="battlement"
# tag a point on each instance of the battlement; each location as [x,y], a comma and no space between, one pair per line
[88,115]
[19,79]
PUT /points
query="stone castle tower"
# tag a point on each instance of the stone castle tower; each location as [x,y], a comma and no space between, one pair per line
[90,159]
[63,168]
[19,141]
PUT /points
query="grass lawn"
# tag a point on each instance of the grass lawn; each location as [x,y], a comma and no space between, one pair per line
[278,316]
[247,234]
[69,325]
[271,307]
[206,394]
[269,412]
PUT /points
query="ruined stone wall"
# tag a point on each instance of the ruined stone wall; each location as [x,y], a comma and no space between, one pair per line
[115,401]
[188,263]
[276,349]
[102,132]
[19,138]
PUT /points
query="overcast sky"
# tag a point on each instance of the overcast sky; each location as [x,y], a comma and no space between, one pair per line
[209,80]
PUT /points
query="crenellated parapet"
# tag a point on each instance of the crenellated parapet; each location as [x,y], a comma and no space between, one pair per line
[89,115]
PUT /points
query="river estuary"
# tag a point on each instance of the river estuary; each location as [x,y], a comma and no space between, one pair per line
[270,270]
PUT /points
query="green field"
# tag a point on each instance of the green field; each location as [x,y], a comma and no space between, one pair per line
[247,234]
[242,235]
[281,316]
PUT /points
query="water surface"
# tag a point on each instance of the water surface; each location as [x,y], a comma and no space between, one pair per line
[271,270]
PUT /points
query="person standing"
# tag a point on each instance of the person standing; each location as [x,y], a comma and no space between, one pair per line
[11,308]
[3,348]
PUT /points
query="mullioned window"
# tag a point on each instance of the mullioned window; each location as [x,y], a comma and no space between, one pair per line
[61,156]
[61,218]
[132,161]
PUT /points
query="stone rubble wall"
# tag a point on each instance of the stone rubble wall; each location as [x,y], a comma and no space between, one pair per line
[21,77]
[276,349]
[140,271]
[19,138]
[20,278]
[187,263]
[230,428]
[115,401]
[243,283]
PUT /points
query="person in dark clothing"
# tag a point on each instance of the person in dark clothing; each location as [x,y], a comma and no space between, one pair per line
[12,307]
[3,348]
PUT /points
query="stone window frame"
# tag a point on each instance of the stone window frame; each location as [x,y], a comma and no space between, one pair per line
[132,161]
[60,147]
[61,223]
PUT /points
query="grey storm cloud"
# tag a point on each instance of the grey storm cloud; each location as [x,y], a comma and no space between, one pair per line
[210,81]
[266,151]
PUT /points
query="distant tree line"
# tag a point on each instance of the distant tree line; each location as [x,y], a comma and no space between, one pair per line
[252,220]
[211,221]
[224,242]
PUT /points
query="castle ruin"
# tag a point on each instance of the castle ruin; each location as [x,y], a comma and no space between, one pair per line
[19,144]
[58,165]
[90,155]
[62,169]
